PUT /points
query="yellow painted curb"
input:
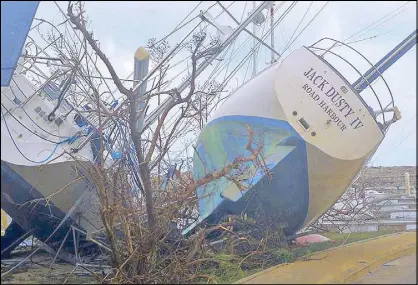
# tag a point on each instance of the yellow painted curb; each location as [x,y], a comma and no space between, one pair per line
[362,272]
[344,264]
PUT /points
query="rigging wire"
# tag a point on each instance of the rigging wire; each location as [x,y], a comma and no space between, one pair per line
[27,127]
[246,71]
[392,146]
[131,74]
[188,57]
[236,52]
[219,63]
[306,26]
[23,109]
[246,58]
[300,22]
[178,28]
[384,22]
[242,46]
[285,13]
[193,29]
[18,149]
[368,38]
[252,50]
[243,11]
[356,33]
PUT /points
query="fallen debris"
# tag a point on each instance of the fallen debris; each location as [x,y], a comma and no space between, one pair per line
[312,238]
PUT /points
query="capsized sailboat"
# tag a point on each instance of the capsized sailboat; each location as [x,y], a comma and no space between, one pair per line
[316,129]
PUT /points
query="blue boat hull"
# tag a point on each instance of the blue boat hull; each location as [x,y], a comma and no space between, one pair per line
[280,193]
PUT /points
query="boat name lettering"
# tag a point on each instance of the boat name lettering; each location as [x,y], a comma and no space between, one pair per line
[336,99]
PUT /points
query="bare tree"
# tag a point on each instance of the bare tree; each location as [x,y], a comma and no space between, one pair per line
[154,251]
[141,229]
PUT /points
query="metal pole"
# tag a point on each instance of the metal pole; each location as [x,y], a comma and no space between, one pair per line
[141,65]
[375,71]
[250,33]
[254,43]
[155,113]
[272,30]
[145,79]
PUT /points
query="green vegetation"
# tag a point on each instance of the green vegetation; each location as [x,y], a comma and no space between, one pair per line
[285,255]
[229,268]
[225,270]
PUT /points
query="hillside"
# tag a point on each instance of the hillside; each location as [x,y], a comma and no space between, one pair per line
[390,177]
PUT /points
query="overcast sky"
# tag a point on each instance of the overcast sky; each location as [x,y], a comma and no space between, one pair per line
[123,26]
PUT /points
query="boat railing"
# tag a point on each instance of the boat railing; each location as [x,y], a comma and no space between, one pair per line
[377,100]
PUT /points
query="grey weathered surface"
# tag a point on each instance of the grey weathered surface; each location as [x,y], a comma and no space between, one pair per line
[399,271]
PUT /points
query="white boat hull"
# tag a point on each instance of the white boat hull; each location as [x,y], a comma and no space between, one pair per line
[42,184]
[313,152]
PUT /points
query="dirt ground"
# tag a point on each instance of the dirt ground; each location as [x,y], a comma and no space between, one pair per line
[38,271]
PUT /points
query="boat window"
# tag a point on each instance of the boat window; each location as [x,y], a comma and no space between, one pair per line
[304,123]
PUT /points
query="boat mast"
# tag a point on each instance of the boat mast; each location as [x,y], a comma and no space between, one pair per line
[254,44]
[272,30]
[375,71]
[157,112]
[141,65]
[154,115]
